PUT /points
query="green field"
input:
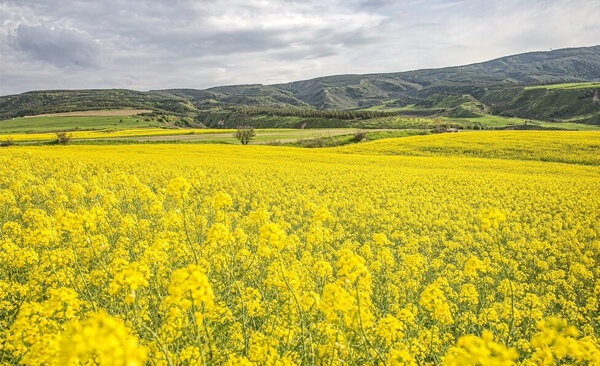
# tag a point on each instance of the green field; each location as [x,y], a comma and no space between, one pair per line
[276,136]
[585,85]
[263,136]
[59,123]
[490,121]
[388,106]
[320,132]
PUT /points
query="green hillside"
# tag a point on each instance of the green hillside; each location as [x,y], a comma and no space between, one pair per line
[579,102]
[560,85]
[55,101]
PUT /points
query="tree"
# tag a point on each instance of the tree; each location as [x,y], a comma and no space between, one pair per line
[244,134]
[63,138]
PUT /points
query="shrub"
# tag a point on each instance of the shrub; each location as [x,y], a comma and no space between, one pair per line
[359,136]
[8,141]
[63,137]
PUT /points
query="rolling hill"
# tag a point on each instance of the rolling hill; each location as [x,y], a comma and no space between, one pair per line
[502,87]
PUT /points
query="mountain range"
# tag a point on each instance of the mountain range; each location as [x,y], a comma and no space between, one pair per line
[508,86]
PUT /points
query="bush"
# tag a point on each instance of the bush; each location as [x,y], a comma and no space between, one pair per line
[244,134]
[63,138]
[359,136]
[316,142]
[8,141]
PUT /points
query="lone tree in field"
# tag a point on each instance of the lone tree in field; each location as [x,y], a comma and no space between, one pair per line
[63,138]
[244,134]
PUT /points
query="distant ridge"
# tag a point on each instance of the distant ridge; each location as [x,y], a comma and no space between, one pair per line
[490,87]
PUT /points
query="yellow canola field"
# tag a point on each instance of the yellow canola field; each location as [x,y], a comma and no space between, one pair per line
[567,147]
[102,134]
[255,255]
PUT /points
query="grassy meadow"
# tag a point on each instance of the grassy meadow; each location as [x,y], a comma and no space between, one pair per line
[56,123]
[124,126]
[493,122]
[583,85]
[204,135]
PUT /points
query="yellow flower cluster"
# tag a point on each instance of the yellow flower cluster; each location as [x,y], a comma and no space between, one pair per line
[256,255]
[473,350]
[103,339]
[434,301]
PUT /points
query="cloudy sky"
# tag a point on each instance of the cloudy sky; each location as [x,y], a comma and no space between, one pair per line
[158,44]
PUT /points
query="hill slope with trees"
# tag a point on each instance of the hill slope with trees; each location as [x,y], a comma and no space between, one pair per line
[501,86]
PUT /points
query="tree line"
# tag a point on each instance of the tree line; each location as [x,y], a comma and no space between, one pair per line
[311,113]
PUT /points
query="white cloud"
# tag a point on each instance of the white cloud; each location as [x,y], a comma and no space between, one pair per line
[156,44]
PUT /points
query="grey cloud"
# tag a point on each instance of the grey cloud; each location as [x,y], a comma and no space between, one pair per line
[187,28]
[58,46]
[151,44]
[223,43]
[241,41]
[305,53]
[374,5]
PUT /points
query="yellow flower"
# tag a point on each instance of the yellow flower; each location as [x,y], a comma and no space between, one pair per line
[271,237]
[322,215]
[434,301]
[557,340]
[473,350]
[491,219]
[238,361]
[380,239]
[468,294]
[389,329]
[350,266]
[178,188]
[358,254]
[401,357]
[190,283]
[129,280]
[322,268]
[250,302]
[222,200]
[103,339]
